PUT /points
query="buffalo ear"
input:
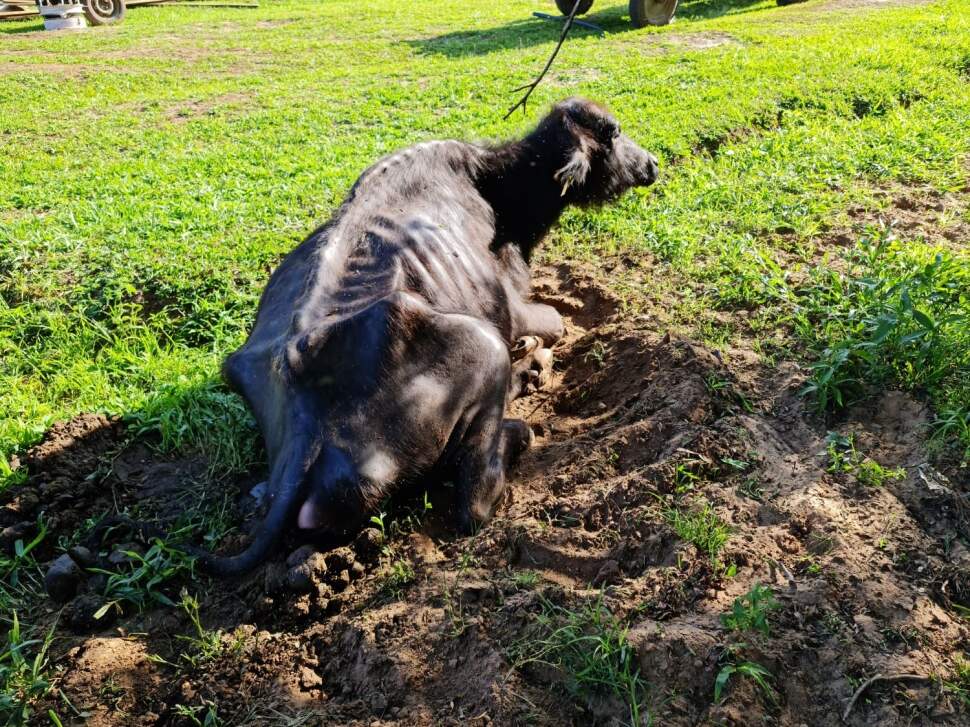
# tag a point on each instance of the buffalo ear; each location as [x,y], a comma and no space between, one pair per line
[576,168]
[574,172]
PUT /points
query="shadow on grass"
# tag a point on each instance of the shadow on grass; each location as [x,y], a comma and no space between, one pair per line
[528,32]
[13,27]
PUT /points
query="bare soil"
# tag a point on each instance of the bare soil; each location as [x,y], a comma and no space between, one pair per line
[867,577]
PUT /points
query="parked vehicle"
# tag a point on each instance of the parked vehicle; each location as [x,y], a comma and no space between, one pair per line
[642,12]
[97,12]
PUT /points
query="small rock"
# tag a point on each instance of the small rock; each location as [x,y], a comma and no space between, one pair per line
[299,555]
[298,581]
[62,579]
[309,679]
[301,578]
[82,556]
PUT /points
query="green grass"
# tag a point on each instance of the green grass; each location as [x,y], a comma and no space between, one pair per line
[844,457]
[589,646]
[897,316]
[149,188]
[748,670]
[141,581]
[24,678]
[702,527]
[750,611]
[958,683]
[20,575]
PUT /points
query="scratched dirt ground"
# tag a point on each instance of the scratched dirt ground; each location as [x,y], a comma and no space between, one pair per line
[637,421]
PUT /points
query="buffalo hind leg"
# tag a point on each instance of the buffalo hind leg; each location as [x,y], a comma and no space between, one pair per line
[537,319]
[531,366]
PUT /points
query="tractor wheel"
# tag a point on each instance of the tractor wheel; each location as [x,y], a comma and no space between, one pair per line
[566,6]
[652,12]
[104,12]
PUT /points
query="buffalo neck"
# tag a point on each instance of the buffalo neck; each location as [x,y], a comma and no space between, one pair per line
[518,182]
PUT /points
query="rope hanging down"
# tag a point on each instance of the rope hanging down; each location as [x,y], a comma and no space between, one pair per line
[530,87]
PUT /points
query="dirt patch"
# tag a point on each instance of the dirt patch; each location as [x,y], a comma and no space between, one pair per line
[637,424]
[110,675]
[60,470]
[699,41]
[658,43]
[69,70]
[195,108]
[853,4]
[918,212]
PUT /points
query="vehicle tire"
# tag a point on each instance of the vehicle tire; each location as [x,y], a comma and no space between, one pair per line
[652,12]
[566,6]
[104,12]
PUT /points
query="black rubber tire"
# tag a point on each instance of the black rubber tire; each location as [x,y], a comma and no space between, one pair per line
[652,12]
[104,12]
[566,6]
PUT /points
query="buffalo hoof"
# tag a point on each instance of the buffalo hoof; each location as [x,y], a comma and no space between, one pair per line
[542,365]
[525,347]
[518,438]
[531,366]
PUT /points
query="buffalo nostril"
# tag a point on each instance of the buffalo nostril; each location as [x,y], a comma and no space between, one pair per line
[651,170]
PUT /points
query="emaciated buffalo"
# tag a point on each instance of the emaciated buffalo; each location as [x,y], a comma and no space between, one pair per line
[383,345]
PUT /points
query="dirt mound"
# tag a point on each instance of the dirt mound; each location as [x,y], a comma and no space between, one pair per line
[667,480]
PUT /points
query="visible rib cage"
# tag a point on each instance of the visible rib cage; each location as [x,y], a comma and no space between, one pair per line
[367,253]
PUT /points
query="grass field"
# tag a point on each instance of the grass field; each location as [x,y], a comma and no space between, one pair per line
[153,173]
